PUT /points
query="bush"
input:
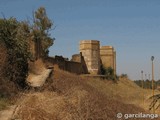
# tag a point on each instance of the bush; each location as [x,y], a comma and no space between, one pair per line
[16,36]
[124,76]
[3,59]
[13,38]
[108,72]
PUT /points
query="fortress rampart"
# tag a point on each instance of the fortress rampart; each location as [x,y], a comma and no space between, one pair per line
[89,60]
[71,66]
[108,57]
[91,52]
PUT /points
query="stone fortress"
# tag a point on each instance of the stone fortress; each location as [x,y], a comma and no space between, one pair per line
[89,60]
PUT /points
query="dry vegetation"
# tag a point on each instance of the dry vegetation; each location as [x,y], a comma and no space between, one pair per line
[36,67]
[3,57]
[66,96]
[125,91]
[7,88]
[69,97]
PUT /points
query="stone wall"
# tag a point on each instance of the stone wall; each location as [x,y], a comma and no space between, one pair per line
[89,60]
[108,57]
[76,57]
[70,66]
[91,52]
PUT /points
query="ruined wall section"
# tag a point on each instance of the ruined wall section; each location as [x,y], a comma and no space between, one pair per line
[76,57]
[108,57]
[89,60]
[70,66]
[90,50]
[80,59]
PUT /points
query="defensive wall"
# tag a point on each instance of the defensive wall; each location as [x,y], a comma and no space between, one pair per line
[70,66]
[89,60]
[108,57]
[90,50]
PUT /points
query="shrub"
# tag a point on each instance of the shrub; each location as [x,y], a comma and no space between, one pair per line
[13,38]
[108,72]
[16,36]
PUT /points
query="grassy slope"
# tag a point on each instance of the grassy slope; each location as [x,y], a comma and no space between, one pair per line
[70,97]
[125,90]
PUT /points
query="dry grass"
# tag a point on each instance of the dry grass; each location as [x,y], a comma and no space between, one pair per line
[70,97]
[36,67]
[124,91]
[3,103]
[40,106]
[7,88]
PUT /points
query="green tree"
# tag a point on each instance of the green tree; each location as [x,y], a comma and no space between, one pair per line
[41,27]
[16,36]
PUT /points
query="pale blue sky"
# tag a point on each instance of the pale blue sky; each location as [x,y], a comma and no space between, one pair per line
[131,26]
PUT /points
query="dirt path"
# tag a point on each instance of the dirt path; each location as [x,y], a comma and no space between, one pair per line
[7,114]
[34,81]
[38,80]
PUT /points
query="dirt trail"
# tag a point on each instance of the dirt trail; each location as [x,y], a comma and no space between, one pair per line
[35,80]
[7,114]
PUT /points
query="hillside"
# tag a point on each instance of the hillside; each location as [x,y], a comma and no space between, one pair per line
[125,91]
[70,97]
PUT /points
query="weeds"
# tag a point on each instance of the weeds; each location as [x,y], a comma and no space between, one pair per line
[4,103]
[70,97]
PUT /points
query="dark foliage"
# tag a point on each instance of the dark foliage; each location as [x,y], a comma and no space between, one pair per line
[17,50]
[147,84]
[15,36]
[108,72]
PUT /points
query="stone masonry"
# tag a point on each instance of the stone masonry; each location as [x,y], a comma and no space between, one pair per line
[90,50]
[89,60]
[108,57]
[95,56]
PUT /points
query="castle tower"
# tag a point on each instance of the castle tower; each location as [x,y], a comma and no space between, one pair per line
[90,50]
[108,57]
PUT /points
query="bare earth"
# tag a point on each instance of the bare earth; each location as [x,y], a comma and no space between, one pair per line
[35,80]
